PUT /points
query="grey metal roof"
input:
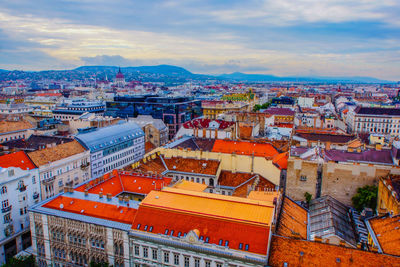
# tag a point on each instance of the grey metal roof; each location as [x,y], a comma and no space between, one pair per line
[109,136]
[329,217]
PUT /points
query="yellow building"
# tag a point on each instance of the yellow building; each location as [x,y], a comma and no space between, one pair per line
[388,195]
[211,109]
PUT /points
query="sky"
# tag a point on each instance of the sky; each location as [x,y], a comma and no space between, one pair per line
[280,37]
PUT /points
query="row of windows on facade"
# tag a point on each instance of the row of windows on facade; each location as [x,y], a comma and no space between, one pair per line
[205,239]
[49,174]
[176,257]
[113,158]
[15,137]
[21,185]
[120,146]
[116,165]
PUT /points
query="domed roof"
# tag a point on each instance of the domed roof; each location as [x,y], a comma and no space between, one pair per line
[119,74]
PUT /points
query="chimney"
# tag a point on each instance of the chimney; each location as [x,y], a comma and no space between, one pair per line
[86,193]
[101,195]
[109,196]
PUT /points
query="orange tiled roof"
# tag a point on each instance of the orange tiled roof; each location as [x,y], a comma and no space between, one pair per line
[153,165]
[293,220]
[244,148]
[387,231]
[245,131]
[93,209]
[192,165]
[58,152]
[126,182]
[281,160]
[297,252]
[12,126]
[18,160]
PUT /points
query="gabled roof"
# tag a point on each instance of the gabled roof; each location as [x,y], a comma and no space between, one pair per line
[17,160]
[328,217]
[387,231]
[58,152]
[281,160]
[293,220]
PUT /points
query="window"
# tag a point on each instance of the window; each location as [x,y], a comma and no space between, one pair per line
[176,259]
[145,227]
[246,247]
[187,261]
[136,250]
[7,218]
[207,239]
[154,252]
[4,203]
[172,232]
[208,263]
[226,243]
[220,242]
[303,178]
[151,229]
[4,189]
[218,264]
[34,179]
[196,262]
[166,232]
[145,252]
[240,245]
[166,257]
[138,226]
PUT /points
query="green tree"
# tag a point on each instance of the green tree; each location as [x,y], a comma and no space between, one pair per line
[257,107]
[21,261]
[308,197]
[366,197]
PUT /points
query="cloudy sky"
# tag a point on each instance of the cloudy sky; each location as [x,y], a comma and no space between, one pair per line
[281,37]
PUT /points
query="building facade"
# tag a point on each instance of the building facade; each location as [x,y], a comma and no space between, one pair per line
[19,189]
[113,147]
[374,120]
[75,108]
[172,110]
[66,164]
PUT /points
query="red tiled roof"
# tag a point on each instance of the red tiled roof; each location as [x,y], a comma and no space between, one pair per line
[296,252]
[213,228]
[205,123]
[18,160]
[281,160]
[293,220]
[48,94]
[127,182]
[245,148]
[192,165]
[93,209]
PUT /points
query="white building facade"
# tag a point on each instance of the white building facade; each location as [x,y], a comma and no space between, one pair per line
[113,147]
[19,189]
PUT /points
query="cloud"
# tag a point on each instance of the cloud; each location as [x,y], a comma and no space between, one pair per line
[332,37]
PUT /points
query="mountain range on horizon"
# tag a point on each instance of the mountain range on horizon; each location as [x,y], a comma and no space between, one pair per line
[181,74]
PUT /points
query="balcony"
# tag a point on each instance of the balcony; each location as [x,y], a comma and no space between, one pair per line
[84,166]
[49,180]
[6,209]
[22,188]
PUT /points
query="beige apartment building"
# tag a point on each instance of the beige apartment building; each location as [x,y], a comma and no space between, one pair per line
[61,165]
